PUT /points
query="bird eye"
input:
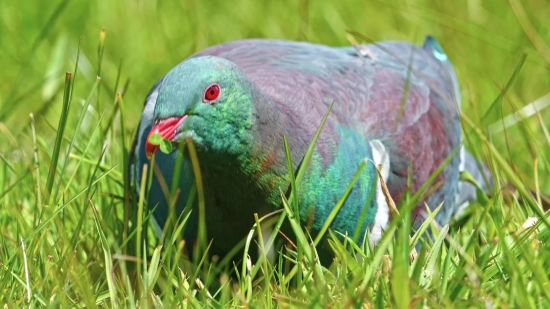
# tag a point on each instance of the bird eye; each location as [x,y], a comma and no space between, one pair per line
[211,93]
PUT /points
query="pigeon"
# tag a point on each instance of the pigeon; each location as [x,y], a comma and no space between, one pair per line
[394,106]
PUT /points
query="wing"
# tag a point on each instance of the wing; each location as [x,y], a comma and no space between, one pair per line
[426,124]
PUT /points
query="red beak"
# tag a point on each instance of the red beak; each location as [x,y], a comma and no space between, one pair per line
[166,128]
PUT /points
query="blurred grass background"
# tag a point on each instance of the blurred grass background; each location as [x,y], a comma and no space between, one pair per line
[39,40]
[485,40]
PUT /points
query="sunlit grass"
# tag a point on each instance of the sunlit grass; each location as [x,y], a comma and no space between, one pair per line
[74,232]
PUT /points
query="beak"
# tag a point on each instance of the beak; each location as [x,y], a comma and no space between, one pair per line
[166,128]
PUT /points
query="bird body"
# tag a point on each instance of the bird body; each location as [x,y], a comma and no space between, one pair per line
[394,104]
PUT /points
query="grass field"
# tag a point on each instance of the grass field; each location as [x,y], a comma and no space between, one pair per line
[69,239]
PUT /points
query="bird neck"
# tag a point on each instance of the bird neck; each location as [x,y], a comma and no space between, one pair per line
[265,159]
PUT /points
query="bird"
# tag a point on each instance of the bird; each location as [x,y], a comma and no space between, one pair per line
[395,106]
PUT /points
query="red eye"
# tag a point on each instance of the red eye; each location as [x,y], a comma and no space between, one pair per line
[211,94]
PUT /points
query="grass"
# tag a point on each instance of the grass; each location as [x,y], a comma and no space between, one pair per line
[71,235]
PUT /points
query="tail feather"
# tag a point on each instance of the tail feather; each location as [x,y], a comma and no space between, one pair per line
[431,45]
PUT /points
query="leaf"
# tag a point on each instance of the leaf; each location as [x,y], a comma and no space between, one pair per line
[59,135]
[154,269]
[166,146]
[155,139]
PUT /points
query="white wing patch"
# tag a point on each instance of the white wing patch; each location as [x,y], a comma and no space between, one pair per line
[461,168]
[380,157]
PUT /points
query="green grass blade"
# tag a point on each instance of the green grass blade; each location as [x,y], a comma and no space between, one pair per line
[59,136]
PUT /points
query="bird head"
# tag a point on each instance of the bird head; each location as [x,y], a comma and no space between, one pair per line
[207,99]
